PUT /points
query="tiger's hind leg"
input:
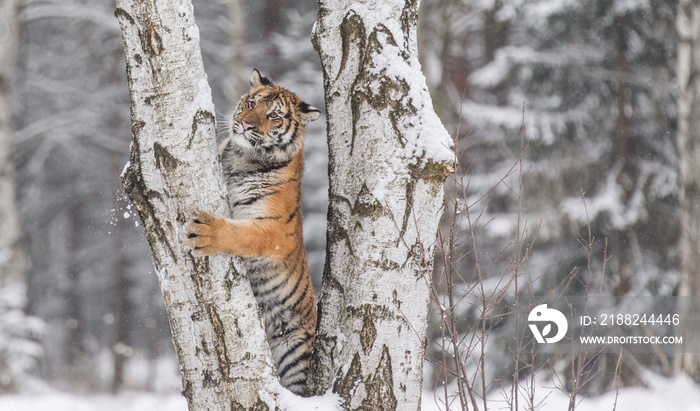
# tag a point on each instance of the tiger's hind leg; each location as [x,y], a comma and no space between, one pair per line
[292,353]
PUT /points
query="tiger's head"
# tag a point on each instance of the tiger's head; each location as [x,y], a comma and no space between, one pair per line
[269,121]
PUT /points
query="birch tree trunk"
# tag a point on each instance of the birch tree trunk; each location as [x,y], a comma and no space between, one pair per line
[688,72]
[388,159]
[13,279]
[217,332]
[12,256]
[20,348]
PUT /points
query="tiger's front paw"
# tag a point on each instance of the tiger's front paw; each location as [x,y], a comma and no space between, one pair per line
[203,234]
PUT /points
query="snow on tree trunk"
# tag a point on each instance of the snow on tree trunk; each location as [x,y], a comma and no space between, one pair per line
[173,169]
[388,159]
[12,256]
[688,72]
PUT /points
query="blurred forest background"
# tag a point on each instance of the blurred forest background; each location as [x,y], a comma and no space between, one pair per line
[597,80]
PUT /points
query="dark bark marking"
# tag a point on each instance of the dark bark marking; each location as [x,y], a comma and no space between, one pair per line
[141,197]
[120,13]
[336,198]
[338,234]
[351,30]
[209,379]
[201,117]
[380,387]
[369,332]
[409,19]
[187,392]
[390,93]
[155,42]
[381,312]
[431,172]
[345,386]
[353,37]
[321,356]
[366,205]
[259,405]
[220,343]
[164,160]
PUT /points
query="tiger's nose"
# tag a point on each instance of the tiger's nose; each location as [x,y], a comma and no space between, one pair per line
[247,126]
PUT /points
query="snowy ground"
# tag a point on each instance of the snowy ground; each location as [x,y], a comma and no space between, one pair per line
[71,402]
[676,394]
[661,394]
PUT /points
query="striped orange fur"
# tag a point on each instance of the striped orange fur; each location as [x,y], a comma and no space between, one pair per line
[263,162]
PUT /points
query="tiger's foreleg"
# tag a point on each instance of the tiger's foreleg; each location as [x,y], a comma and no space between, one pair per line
[210,234]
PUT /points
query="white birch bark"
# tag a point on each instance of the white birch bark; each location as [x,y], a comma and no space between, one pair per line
[389,155]
[12,256]
[688,72]
[217,332]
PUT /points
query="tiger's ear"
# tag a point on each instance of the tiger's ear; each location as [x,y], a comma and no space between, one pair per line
[307,113]
[257,79]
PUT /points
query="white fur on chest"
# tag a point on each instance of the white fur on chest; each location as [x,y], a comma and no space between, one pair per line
[241,184]
[238,193]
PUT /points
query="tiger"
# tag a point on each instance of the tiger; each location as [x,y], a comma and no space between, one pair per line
[263,163]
